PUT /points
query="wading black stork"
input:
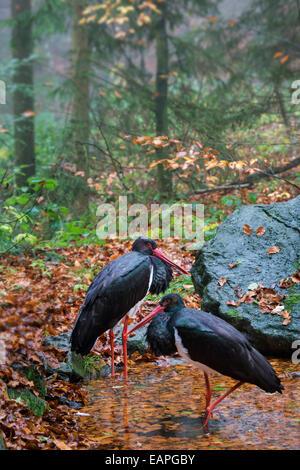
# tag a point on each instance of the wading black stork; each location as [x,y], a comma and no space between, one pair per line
[118,291]
[210,344]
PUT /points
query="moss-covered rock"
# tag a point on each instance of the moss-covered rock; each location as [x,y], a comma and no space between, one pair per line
[281,222]
[34,403]
[39,382]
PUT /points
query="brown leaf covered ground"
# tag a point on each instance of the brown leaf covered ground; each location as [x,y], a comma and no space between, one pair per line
[42,299]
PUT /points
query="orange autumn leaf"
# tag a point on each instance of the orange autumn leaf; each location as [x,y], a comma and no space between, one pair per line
[247,229]
[61,444]
[29,113]
[273,249]
[284,59]
[222,281]
[232,265]
[233,303]
[260,231]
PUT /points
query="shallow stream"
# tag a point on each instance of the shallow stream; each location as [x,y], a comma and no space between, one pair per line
[162,404]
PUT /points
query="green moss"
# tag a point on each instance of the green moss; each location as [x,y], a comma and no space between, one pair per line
[233,313]
[32,374]
[35,404]
[292,299]
[86,367]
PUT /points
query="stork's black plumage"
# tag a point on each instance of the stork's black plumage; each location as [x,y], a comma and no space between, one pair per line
[211,344]
[118,290]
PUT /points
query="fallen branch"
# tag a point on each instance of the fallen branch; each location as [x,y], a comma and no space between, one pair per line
[251,179]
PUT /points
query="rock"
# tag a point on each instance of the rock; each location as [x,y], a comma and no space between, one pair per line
[32,374]
[75,405]
[137,342]
[87,367]
[76,367]
[61,341]
[281,222]
[34,403]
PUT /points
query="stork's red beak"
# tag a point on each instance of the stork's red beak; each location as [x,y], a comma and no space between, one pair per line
[159,254]
[147,319]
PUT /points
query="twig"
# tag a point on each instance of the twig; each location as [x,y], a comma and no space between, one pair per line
[114,161]
[272,173]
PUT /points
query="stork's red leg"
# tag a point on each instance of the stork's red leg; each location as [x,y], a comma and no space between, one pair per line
[208,391]
[124,340]
[112,351]
[211,407]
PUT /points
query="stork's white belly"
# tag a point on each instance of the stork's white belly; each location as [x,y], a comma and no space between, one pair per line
[136,307]
[183,352]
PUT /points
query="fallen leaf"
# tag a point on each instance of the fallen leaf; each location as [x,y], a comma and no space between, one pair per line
[222,281]
[260,231]
[232,265]
[29,113]
[284,59]
[273,249]
[61,445]
[247,229]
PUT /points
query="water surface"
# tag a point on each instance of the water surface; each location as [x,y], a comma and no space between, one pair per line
[161,406]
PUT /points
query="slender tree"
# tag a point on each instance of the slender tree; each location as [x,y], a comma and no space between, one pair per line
[80,95]
[23,94]
[161,95]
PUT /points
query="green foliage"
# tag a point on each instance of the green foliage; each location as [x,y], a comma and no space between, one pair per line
[181,286]
[231,201]
[41,265]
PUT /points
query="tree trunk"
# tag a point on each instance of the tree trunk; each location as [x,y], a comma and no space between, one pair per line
[80,98]
[23,94]
[161,98]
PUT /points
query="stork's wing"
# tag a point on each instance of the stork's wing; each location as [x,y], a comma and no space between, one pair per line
[212,341]
[114,291]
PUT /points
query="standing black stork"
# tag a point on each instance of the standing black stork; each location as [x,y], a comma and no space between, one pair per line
[210,344]
[118,291]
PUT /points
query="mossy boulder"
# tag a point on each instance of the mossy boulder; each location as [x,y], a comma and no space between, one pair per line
[34,403]
[253,266]
[76,367]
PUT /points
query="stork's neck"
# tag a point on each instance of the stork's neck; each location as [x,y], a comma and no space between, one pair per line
[174,309]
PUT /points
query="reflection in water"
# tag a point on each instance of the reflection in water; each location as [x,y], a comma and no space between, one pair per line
[163,407]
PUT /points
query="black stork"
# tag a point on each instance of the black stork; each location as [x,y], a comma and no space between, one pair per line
[210,344]
[118,291]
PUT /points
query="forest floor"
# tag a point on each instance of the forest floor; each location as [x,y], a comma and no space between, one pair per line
[41,296]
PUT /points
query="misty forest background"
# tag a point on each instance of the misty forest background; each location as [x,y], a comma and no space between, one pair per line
[159,101]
